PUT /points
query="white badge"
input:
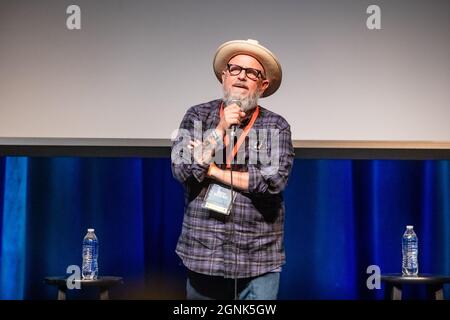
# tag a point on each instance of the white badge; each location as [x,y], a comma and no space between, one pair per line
[218,198]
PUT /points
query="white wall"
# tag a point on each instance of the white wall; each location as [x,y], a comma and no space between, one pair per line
[136,66]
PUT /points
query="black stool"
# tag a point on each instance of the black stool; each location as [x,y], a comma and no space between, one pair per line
[103,283]
[434,283]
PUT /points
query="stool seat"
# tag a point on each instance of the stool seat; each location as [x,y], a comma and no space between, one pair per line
[103,283]
[434,283]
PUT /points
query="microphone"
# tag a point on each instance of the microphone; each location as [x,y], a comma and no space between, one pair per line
[233,127]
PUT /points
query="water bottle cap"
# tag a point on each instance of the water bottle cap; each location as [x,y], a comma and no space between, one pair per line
[91,230]
[409,227]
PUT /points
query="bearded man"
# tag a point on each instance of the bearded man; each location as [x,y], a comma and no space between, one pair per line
[232,238]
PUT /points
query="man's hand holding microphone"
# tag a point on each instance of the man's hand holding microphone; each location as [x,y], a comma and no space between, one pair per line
[232,116]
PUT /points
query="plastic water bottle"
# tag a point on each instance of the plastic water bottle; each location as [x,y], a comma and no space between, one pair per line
[410,243]
[90,256]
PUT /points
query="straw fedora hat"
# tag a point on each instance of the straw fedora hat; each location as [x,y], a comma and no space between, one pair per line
[250,47]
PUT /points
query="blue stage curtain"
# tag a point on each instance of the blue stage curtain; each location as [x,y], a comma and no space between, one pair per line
[13,243]
[341,217]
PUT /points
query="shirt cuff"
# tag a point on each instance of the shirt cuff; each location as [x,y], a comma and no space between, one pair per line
[255,180]
[199,171]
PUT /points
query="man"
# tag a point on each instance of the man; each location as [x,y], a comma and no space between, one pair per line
[232,236]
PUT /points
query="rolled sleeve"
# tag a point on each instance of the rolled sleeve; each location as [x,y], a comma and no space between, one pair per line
[182,172]
[184,167]
[199,171]
[256,183]
[270,178]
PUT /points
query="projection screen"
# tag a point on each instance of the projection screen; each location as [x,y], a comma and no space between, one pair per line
[132,69]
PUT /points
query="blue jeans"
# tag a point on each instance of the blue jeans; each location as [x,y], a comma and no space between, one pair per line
[204,287]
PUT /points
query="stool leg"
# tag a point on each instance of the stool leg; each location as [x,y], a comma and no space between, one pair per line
[104,294]
[436,292]
[396,292]
[62,293]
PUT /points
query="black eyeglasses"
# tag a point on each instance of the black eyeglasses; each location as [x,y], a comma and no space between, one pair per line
[252,74]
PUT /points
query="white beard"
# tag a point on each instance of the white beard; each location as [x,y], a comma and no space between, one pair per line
[247,103]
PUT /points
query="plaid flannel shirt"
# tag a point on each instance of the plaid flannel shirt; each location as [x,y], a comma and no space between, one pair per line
[253,233]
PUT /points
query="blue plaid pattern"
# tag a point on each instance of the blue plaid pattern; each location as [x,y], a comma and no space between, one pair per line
[254,230]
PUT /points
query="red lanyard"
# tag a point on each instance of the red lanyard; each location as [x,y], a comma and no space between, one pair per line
[241,138]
